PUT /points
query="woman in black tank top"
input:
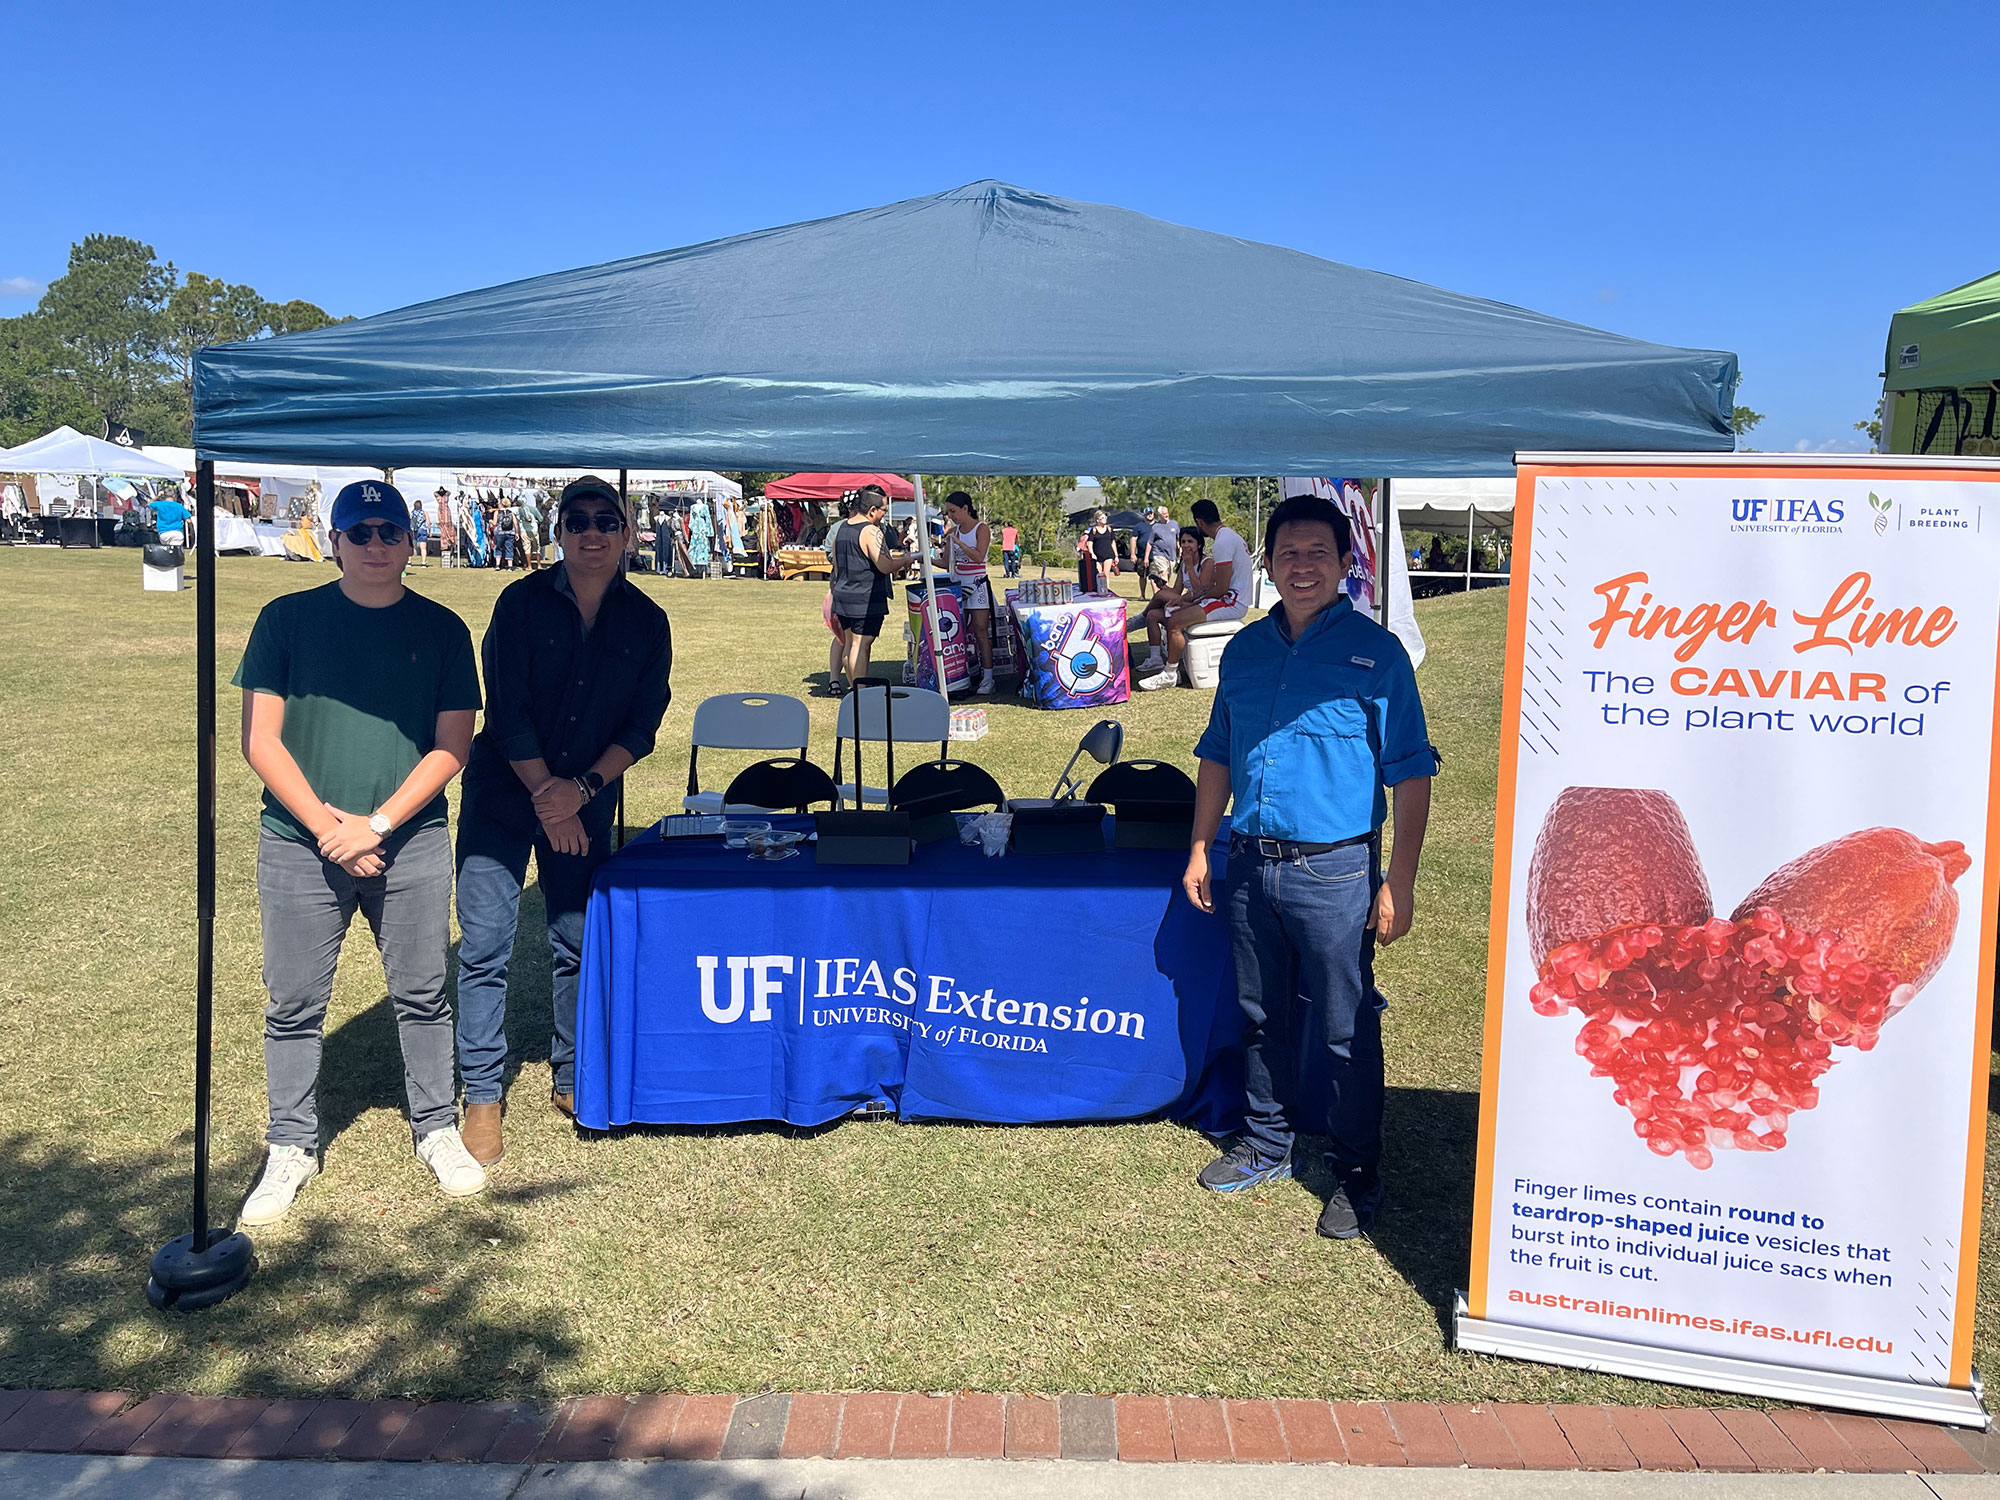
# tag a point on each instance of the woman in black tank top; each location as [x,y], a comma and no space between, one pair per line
[863,562]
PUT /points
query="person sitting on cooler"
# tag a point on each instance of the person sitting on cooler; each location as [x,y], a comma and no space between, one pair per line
[1317,710]
[1223,597]
[1192,573]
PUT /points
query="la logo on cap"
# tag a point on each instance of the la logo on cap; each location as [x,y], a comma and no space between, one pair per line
[370,494]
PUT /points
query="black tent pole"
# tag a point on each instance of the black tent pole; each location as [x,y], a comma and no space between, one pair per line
[1384,569]
[203,1267]
[631,535]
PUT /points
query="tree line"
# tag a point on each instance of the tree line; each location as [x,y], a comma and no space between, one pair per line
[113,340]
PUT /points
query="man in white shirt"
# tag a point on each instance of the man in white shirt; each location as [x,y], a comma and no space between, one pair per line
[1224,597]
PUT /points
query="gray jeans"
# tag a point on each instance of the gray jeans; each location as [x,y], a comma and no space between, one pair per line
[307,903]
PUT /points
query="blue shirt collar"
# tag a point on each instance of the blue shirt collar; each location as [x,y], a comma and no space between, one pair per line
[1321,621]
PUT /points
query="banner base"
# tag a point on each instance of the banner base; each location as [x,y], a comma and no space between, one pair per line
[1889,1398]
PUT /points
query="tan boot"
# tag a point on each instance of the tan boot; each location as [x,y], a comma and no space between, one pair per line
[481,1133]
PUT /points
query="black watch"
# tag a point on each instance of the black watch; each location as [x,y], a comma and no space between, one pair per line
[592,784]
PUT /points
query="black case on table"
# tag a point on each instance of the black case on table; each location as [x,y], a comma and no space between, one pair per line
[1044,827]
[866,836]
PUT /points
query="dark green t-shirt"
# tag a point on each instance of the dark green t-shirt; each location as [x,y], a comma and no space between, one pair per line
[362,690]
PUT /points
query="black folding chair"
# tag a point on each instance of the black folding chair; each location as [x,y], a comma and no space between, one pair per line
[786,780]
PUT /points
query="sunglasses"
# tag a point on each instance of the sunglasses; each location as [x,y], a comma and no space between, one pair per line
[363,534]
[576,523]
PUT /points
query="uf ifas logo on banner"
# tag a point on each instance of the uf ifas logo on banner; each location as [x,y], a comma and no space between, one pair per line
[839,992]
[751,982]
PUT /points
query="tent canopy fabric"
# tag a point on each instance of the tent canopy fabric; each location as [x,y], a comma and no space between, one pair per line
[1950,340]
[67,451]
[833,486]
[987,330]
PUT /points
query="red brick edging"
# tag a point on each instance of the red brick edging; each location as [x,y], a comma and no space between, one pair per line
[1127,1429]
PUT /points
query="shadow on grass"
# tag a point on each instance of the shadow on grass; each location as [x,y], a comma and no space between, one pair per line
[1430,1153]
[78,1234]
[361,1060]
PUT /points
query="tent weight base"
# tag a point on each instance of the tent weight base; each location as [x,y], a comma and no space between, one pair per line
[185,1279]
[1867,1393]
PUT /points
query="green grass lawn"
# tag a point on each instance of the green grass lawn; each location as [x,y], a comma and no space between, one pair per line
[858,1256]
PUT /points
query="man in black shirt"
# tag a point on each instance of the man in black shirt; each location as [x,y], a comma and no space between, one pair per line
[576,660]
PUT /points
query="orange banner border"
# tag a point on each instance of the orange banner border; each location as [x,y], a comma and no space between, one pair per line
[1503,857]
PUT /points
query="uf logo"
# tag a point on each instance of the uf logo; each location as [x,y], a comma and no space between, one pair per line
[756,993]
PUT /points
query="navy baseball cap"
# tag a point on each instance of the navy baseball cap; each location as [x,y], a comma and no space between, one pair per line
[369,500]
[590,487]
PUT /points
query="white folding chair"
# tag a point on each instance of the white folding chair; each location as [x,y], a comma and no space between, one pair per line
[919,715]
[743,721]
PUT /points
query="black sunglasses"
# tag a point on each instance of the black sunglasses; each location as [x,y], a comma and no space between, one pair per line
[576,522]
[361,535]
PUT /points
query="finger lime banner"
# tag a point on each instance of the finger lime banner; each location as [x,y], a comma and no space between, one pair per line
[1734,1102]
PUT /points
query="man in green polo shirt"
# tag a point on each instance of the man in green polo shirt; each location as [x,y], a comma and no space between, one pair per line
[358,707]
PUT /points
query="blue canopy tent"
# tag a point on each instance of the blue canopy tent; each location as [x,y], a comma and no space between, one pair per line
[987,330]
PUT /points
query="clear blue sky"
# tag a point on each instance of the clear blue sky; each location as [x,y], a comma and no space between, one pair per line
[1770,179]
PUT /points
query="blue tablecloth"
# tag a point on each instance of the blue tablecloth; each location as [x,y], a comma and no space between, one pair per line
[1023,989]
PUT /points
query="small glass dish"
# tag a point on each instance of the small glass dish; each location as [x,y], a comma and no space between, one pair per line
[774,843]
[737,832]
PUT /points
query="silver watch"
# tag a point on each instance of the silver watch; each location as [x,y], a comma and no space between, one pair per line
[379,825]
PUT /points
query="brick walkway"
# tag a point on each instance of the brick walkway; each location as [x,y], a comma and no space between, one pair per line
[1126,1429]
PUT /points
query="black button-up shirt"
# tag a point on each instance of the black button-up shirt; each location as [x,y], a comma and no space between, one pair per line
[562,693]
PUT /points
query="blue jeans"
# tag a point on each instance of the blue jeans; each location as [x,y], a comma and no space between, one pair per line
[506,546]
[492,867]
[1305,978]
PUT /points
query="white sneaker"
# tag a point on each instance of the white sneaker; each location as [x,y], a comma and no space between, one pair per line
[985,684]
[286,1170]
[1167,677]
[445,1154]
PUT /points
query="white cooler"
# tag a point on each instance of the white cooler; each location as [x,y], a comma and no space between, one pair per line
[1201,661]
[160,568]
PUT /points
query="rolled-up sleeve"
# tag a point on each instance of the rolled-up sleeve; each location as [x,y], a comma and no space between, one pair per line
[1406,742]
[1214,742]
[504,654]
[649,700]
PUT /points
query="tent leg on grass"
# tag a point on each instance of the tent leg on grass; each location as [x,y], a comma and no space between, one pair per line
[1383,500]
[631,536]
[205,1266]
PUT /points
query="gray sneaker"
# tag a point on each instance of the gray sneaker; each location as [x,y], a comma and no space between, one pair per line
[286,1170]
[1242,1167]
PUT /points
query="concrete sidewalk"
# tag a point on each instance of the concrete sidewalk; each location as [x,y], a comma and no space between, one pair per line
[69,1477]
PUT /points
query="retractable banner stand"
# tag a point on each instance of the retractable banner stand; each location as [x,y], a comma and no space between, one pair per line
[1733,1111]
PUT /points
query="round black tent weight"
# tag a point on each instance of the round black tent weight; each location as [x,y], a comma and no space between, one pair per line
[206,1265]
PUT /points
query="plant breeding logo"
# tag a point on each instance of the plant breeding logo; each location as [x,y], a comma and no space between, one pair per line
[933,1008]
[1882,509]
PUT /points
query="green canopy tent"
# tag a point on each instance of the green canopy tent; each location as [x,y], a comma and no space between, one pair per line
[1941,376]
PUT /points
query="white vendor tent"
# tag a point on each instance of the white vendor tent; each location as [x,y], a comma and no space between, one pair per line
[67,451]
[1442,504]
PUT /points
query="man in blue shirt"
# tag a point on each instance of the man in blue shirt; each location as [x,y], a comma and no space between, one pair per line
[170,519]
[1316,712]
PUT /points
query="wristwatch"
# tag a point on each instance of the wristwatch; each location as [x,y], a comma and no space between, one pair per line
[379,825]
[590,784]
